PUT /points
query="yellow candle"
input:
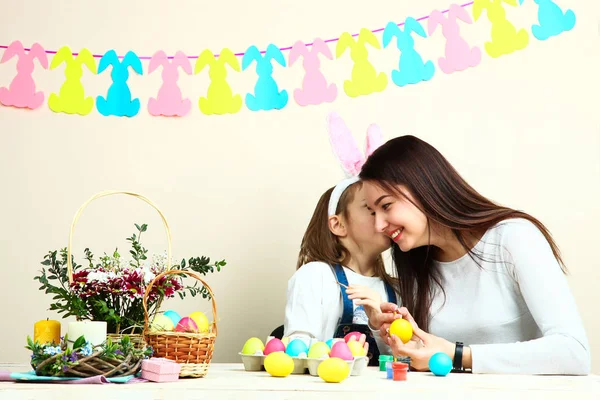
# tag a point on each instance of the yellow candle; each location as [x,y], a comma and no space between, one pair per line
[46,331]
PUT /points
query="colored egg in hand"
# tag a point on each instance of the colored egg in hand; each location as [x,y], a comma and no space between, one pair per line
[440,364]
[356,349]
[333,370]
[296,348]
[355,335]
[402,329]
[341,350]
[274,345]
[279,364]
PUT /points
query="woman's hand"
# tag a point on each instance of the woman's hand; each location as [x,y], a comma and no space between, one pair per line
[383,318]
[421,347]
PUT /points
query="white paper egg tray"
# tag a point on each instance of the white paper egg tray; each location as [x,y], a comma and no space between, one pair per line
[254,362]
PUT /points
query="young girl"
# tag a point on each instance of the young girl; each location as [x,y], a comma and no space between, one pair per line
[480,282]
[340,248]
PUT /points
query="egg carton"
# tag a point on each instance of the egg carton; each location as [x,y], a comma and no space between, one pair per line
[302,365]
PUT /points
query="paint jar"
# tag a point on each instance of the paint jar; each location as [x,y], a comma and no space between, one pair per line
[399,371]
[389,371]
[384,359]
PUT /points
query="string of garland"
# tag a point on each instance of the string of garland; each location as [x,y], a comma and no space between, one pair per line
[315,88]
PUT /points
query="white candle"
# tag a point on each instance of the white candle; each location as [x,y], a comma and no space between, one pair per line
[93,331]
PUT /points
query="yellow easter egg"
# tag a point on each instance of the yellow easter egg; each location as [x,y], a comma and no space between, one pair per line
[279,364]
[333,370]
[402,329]
[201,321]
[356,348]
[285,340]
[318,350]
[162,323]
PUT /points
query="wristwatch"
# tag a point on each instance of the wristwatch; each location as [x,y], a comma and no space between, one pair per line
[457,365]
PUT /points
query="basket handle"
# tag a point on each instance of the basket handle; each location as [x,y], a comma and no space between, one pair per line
[178,272]
[108,193]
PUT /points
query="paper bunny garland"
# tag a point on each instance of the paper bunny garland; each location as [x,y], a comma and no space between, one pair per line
[349,155]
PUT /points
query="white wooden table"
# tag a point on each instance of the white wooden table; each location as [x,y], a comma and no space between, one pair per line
[230,381]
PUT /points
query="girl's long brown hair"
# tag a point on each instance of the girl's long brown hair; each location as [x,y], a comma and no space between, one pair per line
[447,200]
[320,244]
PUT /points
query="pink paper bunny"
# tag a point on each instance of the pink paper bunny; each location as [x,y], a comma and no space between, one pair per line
[21,92]
[344,145]
[169,101]
[459,56]
[315,89]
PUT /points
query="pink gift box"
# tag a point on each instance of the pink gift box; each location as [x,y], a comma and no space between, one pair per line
[160,370]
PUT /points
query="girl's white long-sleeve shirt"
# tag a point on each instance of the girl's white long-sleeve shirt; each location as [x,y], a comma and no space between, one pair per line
[314,303]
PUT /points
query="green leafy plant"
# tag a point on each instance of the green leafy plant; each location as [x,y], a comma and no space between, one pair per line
[112,288]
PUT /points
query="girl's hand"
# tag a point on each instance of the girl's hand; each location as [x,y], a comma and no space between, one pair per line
[364,295]
[367,297]
[362,341]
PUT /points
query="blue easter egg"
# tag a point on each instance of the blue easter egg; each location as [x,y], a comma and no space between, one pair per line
[173,316]
[329,343]
[296,347]
[440,364]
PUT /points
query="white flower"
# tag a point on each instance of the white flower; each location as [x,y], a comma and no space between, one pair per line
[148,275]
[100,277]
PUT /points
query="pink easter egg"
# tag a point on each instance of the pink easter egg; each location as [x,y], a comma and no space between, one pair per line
[186,324]
[274,345]
[341,350]
[350,335]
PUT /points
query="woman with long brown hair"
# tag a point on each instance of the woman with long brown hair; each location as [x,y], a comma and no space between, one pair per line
[479,281]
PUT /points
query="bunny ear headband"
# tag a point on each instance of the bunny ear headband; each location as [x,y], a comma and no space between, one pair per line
[348,153]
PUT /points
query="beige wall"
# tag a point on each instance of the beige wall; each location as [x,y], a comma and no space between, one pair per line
[523,129]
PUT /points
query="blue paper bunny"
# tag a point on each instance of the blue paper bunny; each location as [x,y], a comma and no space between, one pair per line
[118,101]
[266,93]
[552,20]
[412,69]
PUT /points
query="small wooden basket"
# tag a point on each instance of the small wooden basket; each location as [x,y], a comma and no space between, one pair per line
[193,350]
[138,340]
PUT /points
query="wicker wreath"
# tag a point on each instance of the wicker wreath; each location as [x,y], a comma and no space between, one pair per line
[94,365]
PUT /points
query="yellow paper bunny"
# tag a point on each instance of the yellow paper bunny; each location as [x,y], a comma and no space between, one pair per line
[505,37]
[220,98]
[71,98]
[365,79]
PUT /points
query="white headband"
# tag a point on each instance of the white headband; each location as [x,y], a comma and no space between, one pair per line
[337,192]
